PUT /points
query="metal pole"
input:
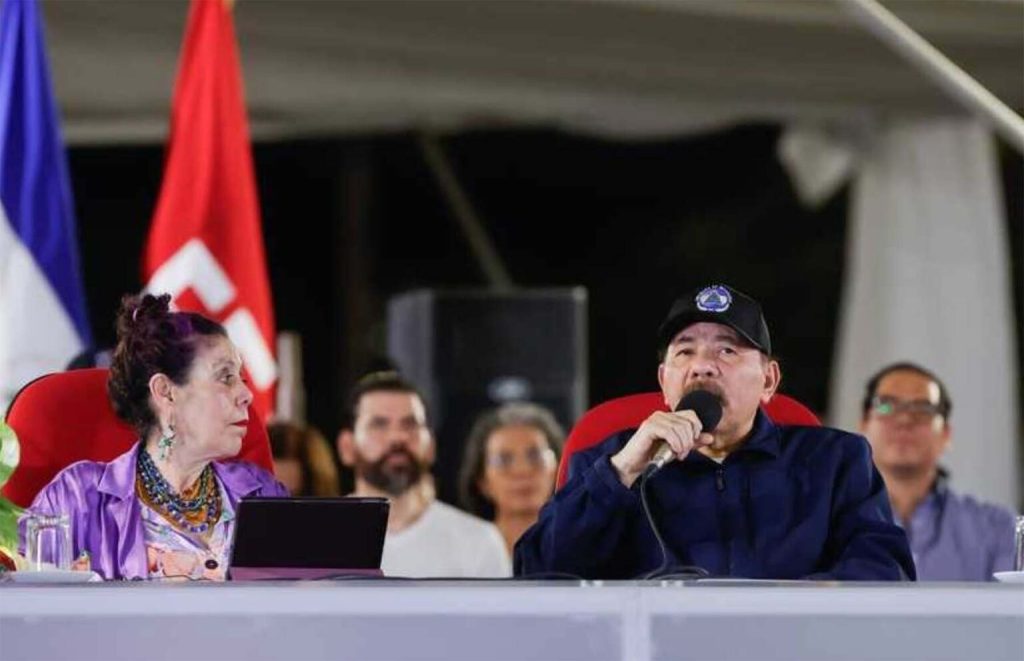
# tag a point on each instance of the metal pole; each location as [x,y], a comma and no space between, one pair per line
[479,242]
[955,81]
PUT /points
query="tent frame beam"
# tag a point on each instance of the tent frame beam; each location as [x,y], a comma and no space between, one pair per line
[933,63]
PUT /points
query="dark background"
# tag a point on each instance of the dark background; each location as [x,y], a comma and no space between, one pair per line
[350,222]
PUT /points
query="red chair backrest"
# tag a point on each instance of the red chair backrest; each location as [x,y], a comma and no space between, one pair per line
[66,417]
[627,412]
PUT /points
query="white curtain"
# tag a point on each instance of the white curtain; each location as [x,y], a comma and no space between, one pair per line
[928,280]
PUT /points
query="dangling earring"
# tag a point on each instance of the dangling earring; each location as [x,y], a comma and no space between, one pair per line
[166,442]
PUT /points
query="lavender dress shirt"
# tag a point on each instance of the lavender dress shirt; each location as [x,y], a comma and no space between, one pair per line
[956,538]
[105,514]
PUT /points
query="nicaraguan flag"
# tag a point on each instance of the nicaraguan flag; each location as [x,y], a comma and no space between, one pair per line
[43,323]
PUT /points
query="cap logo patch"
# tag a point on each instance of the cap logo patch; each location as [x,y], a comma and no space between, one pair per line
[715,298]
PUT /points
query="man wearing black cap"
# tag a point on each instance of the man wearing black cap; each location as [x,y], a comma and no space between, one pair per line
[749,499]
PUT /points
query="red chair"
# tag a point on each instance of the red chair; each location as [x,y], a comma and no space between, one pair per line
[627,412]
[66,417]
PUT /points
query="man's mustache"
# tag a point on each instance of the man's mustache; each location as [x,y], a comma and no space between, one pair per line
[710,386]
[398,452]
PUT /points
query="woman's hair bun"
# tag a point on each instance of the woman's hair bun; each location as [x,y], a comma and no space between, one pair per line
[151,339]
[142,314]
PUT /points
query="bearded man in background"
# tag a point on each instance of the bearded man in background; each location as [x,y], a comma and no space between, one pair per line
[390,448]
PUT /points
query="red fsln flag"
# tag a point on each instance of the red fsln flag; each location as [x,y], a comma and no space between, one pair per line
[205,244]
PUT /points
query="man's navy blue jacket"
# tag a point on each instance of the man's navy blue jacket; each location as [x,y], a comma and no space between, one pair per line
[790,503]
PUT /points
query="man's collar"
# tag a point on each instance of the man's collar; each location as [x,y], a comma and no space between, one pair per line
[941,484]
[763,437]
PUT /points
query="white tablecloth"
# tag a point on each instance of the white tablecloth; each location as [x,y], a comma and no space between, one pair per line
[509,620]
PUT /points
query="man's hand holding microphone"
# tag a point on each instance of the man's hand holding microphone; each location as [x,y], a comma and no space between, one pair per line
[665,436]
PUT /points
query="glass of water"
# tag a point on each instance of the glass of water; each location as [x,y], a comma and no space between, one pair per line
[48,541]
[1018,547]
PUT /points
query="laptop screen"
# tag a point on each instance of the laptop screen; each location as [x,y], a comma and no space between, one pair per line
[325,535]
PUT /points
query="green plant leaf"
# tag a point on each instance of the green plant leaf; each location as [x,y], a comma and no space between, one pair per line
[9,513]
[10,451]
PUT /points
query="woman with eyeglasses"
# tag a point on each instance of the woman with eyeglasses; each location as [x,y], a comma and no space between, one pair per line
[508,469]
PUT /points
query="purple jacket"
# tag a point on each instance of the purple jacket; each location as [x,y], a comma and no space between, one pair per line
[106,516]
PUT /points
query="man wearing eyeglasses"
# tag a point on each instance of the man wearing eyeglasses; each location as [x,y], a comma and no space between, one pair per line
[953,536]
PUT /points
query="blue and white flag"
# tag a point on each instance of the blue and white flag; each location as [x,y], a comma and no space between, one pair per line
[43,321]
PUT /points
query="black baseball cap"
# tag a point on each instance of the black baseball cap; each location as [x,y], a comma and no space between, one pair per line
[720,304]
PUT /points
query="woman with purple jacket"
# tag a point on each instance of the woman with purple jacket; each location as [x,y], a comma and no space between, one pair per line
[165,508]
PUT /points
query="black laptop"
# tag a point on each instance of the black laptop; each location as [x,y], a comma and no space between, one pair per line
[288,538]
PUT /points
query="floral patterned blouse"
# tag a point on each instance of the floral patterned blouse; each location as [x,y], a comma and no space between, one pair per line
[172,554]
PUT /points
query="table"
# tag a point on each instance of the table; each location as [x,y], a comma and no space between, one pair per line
[564,620]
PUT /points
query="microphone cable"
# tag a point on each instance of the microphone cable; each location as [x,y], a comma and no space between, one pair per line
[666,570]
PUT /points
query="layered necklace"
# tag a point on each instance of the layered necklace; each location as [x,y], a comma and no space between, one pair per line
[195,510]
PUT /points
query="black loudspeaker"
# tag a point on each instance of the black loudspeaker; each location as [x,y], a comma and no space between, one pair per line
[469,350]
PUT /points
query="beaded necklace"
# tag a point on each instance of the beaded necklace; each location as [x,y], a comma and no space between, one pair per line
[195,510]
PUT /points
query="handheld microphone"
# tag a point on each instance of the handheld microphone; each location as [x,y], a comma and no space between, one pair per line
[708,408]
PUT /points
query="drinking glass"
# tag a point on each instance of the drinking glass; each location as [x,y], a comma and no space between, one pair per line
[48,541]
[1018,547]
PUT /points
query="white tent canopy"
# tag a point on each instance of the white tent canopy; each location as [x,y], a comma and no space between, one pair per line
[649,68]
[618,67]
